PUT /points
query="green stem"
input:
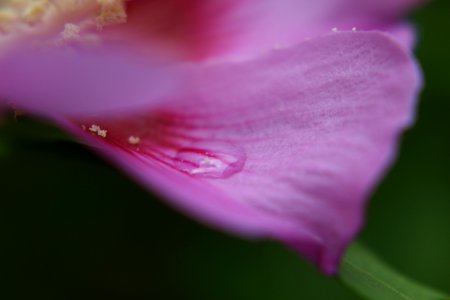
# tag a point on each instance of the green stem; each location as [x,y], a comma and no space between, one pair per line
[363,272]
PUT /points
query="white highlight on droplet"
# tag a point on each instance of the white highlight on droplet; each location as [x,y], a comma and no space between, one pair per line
[208,164]
[211,159]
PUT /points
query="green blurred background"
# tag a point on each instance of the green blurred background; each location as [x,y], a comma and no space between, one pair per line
[73,227]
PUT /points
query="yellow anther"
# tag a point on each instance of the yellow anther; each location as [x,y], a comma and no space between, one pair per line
[112,12]
[7,18]
[35,11]
[17,4]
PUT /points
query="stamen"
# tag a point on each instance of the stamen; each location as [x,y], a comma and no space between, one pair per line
[71,32]
[112,12]
[35,12]
[7,18]
[50,15]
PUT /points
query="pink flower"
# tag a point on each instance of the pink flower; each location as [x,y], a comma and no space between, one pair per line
[268,119]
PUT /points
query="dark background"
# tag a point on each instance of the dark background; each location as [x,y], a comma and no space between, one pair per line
[73,227]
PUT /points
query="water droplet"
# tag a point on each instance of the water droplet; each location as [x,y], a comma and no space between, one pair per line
[211,159]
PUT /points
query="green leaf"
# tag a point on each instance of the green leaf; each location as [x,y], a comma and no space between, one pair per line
[4,150]
[23,128]
[366,274]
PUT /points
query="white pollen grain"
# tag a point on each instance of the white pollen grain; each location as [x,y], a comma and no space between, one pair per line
[94,128]
[102,133]
[334,29]
[134,140]
[98,130]
[70,32]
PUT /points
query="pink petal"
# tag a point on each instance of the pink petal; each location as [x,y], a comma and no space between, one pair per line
[252,26]
[404,33]
[200,29]
[186,29]
[83,81]
[95,82]
[287,146]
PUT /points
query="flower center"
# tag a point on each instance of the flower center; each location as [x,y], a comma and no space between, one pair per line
[60,20]
[174,29]
[34,11]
